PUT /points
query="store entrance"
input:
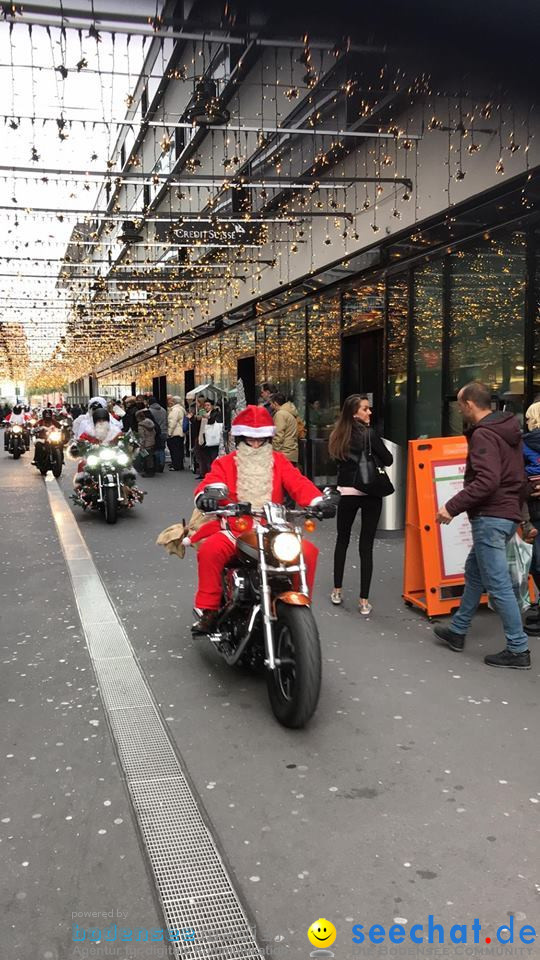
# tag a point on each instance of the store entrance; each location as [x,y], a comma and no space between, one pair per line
[246,373]
[362,369]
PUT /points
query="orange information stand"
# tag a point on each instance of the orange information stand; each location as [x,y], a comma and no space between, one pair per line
[435,555]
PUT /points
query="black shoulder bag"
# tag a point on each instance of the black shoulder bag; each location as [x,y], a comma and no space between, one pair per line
[370,477]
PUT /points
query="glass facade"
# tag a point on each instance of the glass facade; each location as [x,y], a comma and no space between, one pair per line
[363,307]
[449,318]
[397,326]
[487,317]
[426,408]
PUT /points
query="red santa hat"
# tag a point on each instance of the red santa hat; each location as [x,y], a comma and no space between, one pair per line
[253,422]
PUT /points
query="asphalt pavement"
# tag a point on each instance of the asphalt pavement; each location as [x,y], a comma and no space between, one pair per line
[415,790]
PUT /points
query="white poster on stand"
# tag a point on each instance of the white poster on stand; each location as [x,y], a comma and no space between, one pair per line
[455,537]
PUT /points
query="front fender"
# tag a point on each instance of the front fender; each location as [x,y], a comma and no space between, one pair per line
[291,597]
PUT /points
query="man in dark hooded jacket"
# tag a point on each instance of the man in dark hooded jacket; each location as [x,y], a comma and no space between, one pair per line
[492,495]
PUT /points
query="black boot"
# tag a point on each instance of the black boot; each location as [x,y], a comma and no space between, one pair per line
[456,641]
[516,661]
[206,624]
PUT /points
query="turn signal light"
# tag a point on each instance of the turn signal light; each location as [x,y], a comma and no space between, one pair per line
[242,525]
[310,526]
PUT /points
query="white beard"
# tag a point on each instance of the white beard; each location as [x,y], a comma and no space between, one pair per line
[101,430]
[255,468]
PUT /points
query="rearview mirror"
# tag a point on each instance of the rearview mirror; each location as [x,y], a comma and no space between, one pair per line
[217,491]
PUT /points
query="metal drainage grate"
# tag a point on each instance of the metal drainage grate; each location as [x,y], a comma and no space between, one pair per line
[195,890]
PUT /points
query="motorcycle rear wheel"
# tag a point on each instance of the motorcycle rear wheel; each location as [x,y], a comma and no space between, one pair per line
[110,504]
[294,686]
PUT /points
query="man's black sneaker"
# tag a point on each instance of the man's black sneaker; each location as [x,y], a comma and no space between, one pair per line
[206,624]
[456,641]
[516,661]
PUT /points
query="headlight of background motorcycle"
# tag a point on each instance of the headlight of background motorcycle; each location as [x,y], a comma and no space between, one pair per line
[55,436]
[122,458]
[17,429]
[286,547]
[92,460]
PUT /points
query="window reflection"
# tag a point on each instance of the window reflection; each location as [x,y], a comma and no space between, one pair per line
[428,334]
[324,381]
[487,297]
[397,329]
[363,307]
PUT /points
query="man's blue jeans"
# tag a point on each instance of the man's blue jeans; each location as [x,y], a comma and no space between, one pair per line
[486,571]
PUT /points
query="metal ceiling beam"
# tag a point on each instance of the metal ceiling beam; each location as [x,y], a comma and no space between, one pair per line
[244,128]
[56,17]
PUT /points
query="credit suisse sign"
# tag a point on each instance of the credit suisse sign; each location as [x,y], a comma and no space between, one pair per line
[224,233]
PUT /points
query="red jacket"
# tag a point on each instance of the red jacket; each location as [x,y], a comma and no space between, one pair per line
[286,479]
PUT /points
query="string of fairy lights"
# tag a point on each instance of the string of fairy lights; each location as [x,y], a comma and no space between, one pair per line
[318,145]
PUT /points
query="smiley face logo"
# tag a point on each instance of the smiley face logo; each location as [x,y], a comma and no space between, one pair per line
[322,933]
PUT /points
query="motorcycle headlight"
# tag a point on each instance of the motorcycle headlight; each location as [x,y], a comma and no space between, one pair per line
[107,455]
[286,547]
[92,460]
[17,429]
[122,458]
[55,436]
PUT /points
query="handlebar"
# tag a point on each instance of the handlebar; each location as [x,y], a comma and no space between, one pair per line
[246,509]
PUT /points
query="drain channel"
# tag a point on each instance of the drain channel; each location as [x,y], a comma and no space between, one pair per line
[194,888]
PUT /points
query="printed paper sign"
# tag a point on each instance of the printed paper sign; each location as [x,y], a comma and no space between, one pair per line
[456,537]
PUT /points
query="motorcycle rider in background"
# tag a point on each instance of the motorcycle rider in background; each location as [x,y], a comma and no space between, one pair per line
[17,417]
[86,423]
[254,473]
[42,427]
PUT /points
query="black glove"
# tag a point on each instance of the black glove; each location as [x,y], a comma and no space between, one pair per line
[207,504]
[325,509]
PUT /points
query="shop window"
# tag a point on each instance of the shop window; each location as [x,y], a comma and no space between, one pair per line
[487,318]
[395,417]
[363,308]
[271,350]
[427,351]
[292,356]
[324,358]
[536,352]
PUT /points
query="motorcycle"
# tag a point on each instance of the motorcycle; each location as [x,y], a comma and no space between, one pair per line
[49,451]
[106,480]
[266,619]
[14,442]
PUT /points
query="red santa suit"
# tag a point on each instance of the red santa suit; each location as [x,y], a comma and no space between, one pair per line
[255,476]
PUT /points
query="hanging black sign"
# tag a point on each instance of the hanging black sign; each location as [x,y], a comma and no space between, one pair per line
[224,233]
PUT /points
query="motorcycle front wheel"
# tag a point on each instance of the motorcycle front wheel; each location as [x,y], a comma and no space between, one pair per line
[110,504]
[57,463]
[16,452]
[294,685]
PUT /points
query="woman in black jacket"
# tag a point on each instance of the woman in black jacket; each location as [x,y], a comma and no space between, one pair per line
[351,436]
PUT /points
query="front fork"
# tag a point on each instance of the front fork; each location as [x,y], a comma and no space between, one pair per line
[266,599]
[268,616]
[109,480]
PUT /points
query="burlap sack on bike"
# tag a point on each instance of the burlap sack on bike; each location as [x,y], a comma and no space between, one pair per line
[172,538]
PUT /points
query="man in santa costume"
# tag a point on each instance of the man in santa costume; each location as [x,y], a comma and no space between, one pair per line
[254,473]
[100,430]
